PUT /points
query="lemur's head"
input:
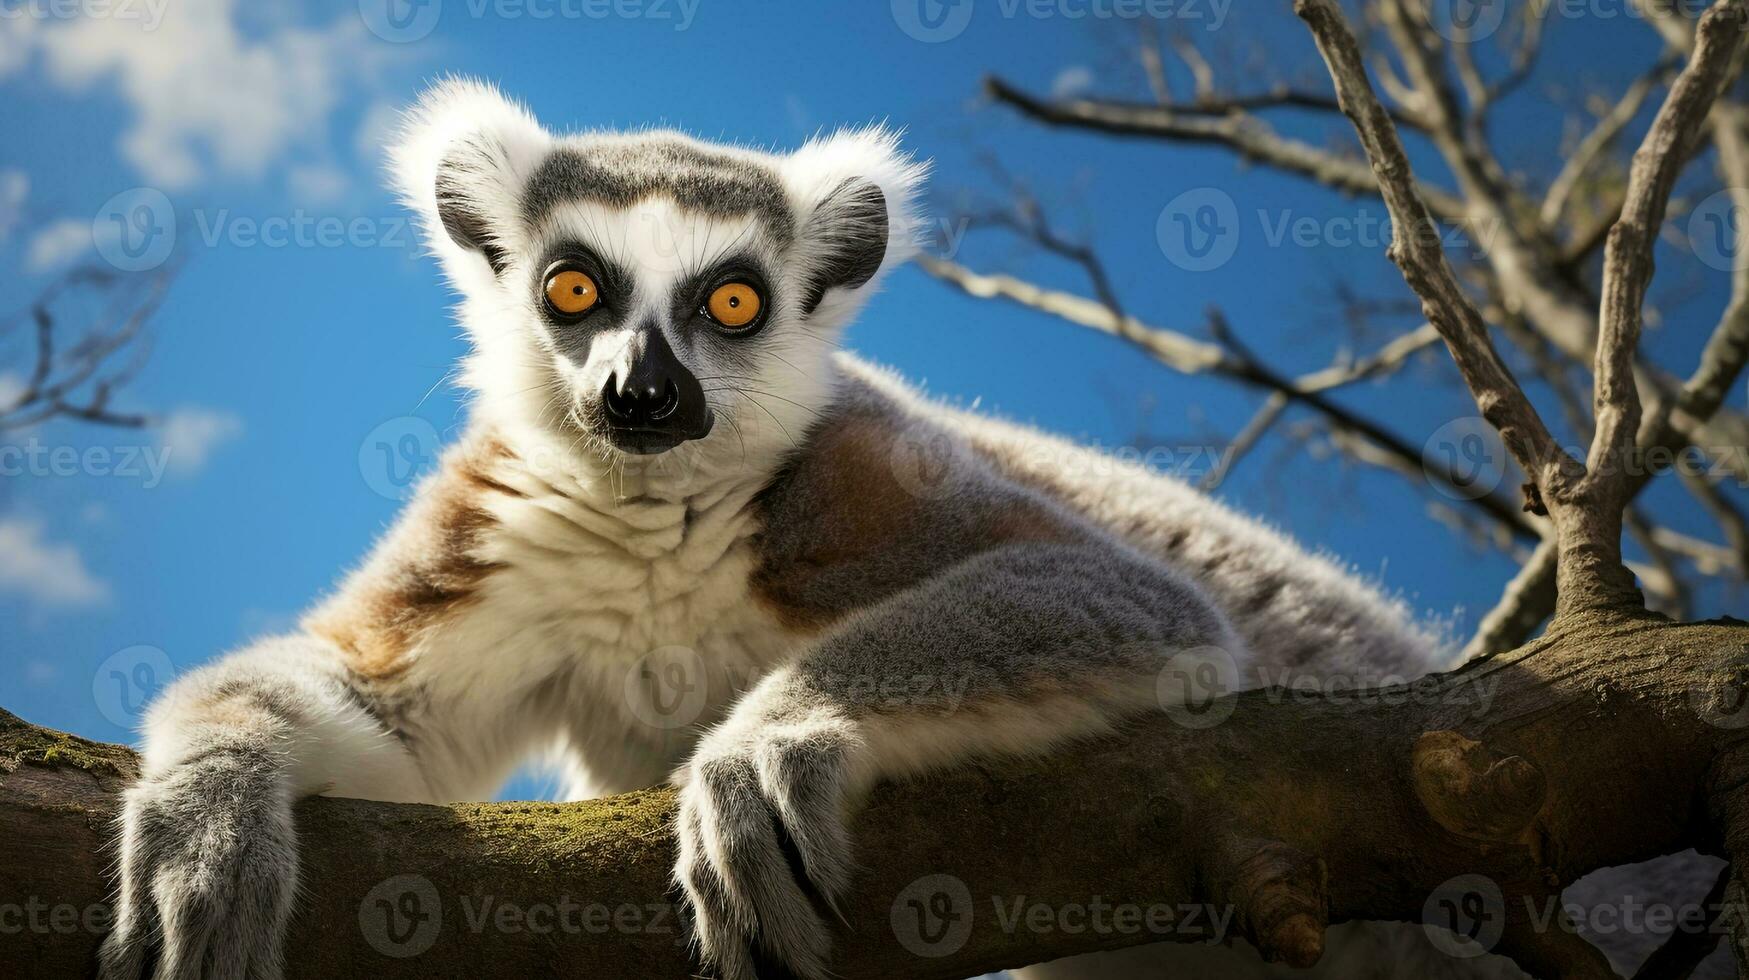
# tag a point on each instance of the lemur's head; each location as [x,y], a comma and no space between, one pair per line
[640,291]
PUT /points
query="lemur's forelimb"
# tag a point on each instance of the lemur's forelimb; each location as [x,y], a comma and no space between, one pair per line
[1009,652]
[208,855]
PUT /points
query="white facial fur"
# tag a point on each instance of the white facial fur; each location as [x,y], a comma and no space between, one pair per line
[535,383]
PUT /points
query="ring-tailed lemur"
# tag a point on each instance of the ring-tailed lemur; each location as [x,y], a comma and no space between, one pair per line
[669,462]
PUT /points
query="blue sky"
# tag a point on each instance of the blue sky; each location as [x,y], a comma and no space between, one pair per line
[305,328]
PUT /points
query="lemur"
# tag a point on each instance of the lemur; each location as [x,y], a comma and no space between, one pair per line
[670,461]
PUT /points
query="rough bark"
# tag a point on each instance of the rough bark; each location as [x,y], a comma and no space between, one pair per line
[1608,741]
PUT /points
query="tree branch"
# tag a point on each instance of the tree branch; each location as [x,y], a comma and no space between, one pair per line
[1585,502]
[79,380]
[1191,356]
[1525,603]
[1416,250]
[1601,137]
[1685,413]
[1529,794]
[1250,137]
[1730,519]
[1627,264]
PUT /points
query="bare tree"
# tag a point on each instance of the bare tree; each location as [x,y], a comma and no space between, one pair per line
[1615,736]
[1534,270]
[82,340]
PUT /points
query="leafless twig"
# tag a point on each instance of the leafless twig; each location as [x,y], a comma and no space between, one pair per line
[1586,502]
[77,377]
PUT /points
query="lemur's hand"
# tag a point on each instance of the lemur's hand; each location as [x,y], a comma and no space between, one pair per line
[208,868]
[763,847]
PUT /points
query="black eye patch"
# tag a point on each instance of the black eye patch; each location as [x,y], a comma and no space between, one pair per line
[614,281]
[693,292]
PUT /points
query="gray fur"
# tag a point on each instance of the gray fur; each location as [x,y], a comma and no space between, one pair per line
[1026,624]
[618,170]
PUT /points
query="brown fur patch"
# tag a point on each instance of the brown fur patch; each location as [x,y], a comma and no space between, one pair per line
[860,505]
[425,571]
[843,530]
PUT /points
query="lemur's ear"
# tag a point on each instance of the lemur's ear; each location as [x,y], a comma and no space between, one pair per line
[855,196]
[460,162]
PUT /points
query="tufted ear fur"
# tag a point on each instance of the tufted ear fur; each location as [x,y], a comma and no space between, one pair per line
[460,162]
[854,194]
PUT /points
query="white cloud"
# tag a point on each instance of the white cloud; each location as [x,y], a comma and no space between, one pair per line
[57,244]
[206,94]
[1072,81]
[190,435]
[17,35]
[375,129]
[319,183]
[256,623]
[11,386]
[14,185]
[48,573]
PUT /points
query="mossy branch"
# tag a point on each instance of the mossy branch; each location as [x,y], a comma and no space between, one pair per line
[1604,743]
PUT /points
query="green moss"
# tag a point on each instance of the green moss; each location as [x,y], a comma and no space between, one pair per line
[619,831]
[22,742]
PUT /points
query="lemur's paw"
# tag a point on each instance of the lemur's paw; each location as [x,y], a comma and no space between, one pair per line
[764,855]
[208,868]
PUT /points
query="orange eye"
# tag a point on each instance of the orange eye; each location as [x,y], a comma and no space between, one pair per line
[571,292]
[734,304]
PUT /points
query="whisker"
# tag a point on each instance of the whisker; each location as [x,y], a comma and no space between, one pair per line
[774,418]
[768,394]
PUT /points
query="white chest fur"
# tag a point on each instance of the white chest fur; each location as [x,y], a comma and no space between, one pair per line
[620,632]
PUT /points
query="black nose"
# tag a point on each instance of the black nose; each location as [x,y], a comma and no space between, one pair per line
[643,402]
[652,403]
